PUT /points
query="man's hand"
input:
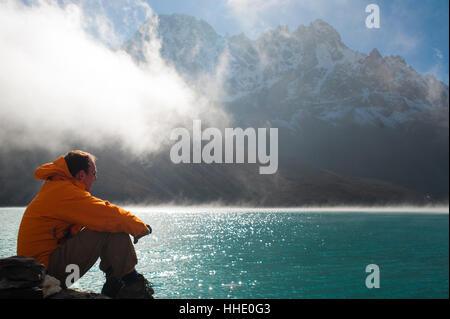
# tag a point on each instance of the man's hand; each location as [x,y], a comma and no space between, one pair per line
[149,231]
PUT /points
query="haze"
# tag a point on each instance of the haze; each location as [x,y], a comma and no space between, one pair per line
[60,84]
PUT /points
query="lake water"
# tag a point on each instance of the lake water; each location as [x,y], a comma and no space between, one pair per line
[244,253]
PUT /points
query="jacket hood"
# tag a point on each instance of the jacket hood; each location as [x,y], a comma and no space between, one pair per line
[56,171]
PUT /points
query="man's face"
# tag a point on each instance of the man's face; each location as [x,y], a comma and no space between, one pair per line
[89,178]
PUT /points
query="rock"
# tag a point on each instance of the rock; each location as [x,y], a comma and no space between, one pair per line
[7,284]
[23,278]
[50,286]
[22,293]
[77,294]
[19,268]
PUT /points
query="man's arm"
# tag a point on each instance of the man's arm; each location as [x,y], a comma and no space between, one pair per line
[98,215]
[149,231]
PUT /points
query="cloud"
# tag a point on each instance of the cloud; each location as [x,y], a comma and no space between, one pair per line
[399,42]
[251,14]
[255,16]
[440,68]
[99,18]
[61,83]
[438,53]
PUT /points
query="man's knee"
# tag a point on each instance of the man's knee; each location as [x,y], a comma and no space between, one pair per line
[120,236]
[105,237]
[119,239]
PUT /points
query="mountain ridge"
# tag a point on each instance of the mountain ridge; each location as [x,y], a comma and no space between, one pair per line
[314,53]
[290,80]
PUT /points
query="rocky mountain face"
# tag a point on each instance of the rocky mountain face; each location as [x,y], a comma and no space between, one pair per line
[307,71]
[360,115]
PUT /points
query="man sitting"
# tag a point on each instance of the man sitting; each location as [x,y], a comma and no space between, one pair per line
[65,225]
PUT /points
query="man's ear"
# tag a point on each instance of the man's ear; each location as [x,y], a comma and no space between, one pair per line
[80,175]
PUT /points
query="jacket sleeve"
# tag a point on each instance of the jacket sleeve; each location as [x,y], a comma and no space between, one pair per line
[95,214]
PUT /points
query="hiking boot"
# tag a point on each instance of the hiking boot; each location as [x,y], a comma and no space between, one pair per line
[137,288]
[112,287]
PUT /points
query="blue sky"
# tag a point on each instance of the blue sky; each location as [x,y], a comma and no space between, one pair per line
[418,30]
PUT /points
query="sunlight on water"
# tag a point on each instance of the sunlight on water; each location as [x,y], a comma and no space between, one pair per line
[221,253]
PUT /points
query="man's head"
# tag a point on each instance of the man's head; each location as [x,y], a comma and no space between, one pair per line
[82,166]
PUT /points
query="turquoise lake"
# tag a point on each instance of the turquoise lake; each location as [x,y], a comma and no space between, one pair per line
[221,253]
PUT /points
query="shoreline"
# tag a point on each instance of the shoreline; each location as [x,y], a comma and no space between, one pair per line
[401,209]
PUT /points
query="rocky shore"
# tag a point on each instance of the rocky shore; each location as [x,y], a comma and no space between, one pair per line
[23,278]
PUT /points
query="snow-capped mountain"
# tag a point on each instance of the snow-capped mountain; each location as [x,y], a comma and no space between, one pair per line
[360,115]
[308,72]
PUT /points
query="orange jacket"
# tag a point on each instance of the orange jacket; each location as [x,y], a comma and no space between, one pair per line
[61,208]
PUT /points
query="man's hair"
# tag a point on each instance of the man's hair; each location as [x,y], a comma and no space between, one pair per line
[78,160]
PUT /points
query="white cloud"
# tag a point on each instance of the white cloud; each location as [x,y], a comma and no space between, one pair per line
[403,43]
[251,13]
[438,53]
[98,18]
[59,83]
[255,16]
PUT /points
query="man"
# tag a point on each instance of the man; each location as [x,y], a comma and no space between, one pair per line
[65,225]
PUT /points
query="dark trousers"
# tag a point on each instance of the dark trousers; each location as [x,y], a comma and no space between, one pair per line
[115,250]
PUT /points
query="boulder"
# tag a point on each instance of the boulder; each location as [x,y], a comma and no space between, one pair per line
[77,294]
[21,269]
[23,278]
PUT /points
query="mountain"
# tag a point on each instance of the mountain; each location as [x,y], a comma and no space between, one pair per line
[126,180]
[309,70]
[363,116]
